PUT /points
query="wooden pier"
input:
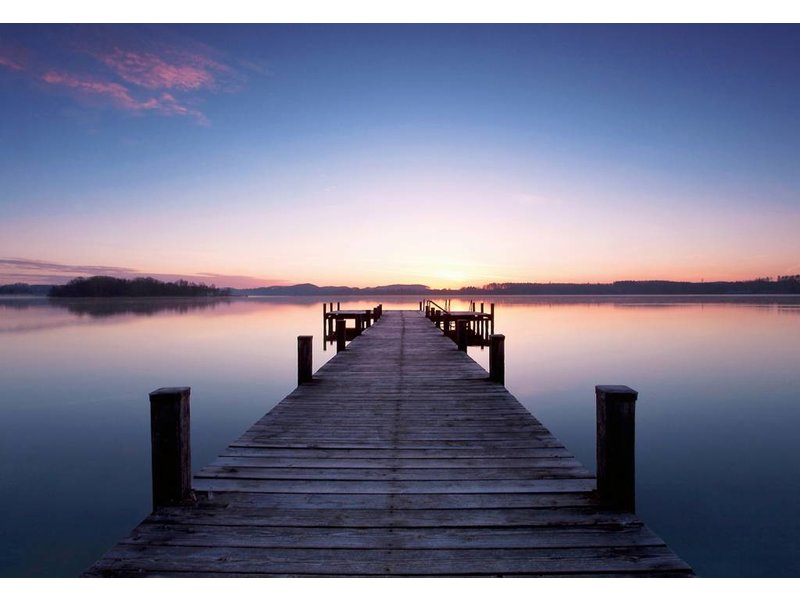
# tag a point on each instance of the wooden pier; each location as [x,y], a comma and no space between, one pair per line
[361,320]
[465,327]
[399,457]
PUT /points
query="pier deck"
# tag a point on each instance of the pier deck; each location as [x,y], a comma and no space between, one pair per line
[399,458]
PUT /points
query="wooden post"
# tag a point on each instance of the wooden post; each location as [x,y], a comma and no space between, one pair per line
[461,334]
[497,358]
[616,424]
[491,310]
[171,451]
[338,306]
[481,307]
[359,326]
[445,324]
[304,359]
[341,334]
[420,306]
[367,318]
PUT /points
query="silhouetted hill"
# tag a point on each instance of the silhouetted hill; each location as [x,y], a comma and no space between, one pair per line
[309,289]
[782,285]
[110,287]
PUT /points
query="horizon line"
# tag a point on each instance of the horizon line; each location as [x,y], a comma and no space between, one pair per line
[478,287]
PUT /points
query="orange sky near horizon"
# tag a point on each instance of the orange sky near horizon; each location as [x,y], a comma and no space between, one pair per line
[451,235]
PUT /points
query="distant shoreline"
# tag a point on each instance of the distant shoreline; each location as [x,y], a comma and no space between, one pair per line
[431,295]
[106,287]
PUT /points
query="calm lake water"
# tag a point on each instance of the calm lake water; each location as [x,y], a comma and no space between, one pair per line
[718,450]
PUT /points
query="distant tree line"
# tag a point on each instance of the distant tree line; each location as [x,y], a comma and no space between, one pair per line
[110,287]
[23,289]
[147,286]
[782,285]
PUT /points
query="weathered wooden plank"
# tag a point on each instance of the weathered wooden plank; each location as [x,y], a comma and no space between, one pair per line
[257,460]
[324,561]
[390,474]
[401,441]
[398,453]
[497,486]
[434,504]
[389,516]
[474,447]
[249,536]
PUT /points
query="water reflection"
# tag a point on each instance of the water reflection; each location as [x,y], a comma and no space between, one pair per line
[141,307]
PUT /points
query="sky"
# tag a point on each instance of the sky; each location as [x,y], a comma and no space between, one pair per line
[445,155]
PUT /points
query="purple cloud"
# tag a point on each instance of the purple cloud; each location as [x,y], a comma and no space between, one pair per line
[179,70]
[12,57]
[13,270]
[136,76]
[121,97]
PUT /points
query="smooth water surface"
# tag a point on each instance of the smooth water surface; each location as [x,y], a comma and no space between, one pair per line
[718,379]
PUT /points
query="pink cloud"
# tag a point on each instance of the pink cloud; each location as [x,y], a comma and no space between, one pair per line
[141,75]
[117,93]
[176,70]
[13,58]
[121,96]
[9,62]
[13,270]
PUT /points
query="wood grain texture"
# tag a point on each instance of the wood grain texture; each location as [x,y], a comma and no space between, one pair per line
[400,457]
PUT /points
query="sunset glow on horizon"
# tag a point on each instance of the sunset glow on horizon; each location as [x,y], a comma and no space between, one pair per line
[388,154]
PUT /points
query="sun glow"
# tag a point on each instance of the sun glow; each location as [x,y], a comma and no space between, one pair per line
[451,277]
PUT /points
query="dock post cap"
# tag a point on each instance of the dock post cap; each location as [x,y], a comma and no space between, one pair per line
[305,337]
[165,392]
[617,392]
[499,336]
